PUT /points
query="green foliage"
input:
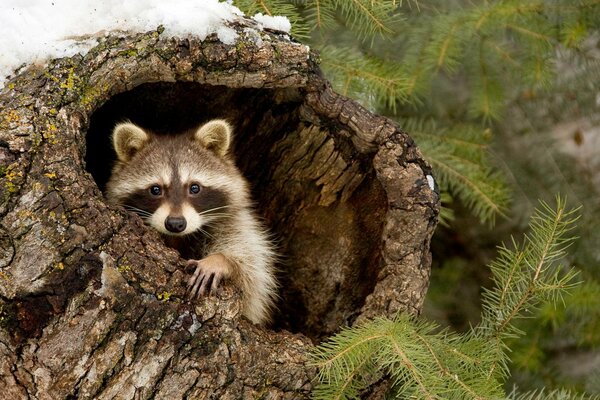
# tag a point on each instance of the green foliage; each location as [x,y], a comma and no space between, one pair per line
[527,273]
[422,362]
[500,44]
[365,18]
[371,80]
[425,362]
[574,322]
[387,53]
[459,157]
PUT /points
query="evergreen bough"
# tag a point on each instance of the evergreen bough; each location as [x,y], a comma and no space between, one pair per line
[457,62]
[427,362]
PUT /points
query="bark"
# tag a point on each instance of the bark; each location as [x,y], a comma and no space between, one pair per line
[92,303]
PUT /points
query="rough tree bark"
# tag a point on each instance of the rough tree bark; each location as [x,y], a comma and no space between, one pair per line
[92,303]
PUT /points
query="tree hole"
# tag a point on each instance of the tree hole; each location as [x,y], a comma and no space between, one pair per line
[322,201]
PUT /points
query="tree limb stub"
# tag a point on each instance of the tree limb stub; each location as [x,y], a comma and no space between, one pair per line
[92,302]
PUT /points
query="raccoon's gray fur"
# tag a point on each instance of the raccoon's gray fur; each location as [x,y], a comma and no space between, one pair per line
[188,188]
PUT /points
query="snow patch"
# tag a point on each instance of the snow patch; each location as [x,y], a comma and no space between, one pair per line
[33,31]
[277,22]
[431,182]
[226,34]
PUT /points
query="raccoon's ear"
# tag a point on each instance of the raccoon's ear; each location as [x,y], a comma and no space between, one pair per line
[128,139]
[215,135]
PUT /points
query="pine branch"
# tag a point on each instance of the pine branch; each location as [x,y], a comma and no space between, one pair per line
[320,15]
[345,362]
[409,372]
[533,261]
[576,322]
[422,362]
[450,374]
[375,82]
[410,4]
[461,166]
[444,52]
[527,275]
[446,212]
[427,363]
[417,78]
[572,93]
[485,200]
[487,99]
[367,18]
[525,34]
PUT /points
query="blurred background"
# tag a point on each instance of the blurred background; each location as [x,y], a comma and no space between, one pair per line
[503,98]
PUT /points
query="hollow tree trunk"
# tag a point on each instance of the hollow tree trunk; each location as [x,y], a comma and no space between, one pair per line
[92,302]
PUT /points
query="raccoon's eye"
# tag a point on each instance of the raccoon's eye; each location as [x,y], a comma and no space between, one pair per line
[155,190]
[194,188]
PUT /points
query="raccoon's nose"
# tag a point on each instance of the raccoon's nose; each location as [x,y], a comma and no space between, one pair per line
[175,224]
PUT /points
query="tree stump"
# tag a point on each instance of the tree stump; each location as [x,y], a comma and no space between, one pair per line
[92,303]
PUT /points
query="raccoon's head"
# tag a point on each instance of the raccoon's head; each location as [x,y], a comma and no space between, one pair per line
[178,184]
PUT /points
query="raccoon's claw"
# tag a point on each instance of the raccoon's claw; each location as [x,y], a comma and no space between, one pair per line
[209,273]
[203,281]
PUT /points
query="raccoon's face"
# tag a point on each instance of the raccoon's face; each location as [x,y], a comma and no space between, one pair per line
[180,184]
[178,205]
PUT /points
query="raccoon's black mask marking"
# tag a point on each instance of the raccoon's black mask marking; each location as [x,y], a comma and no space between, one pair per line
[207,201]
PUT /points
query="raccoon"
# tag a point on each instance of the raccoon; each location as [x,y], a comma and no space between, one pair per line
[187,187]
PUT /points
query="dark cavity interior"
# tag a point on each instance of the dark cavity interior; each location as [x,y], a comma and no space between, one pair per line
[329,252]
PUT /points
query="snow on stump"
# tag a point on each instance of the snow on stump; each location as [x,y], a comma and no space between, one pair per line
[92,303]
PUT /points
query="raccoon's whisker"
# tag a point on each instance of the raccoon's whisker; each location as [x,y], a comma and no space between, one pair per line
[208,225]
[142,214]
[219,215]
[212,226]
[213,222]
[138,211]
[205,232]
[212,209]
[201,233]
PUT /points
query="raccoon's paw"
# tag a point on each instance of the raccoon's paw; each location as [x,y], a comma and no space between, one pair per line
[209,273]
